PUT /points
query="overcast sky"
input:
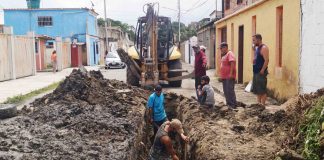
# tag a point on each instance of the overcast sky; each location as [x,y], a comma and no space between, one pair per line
[129,10]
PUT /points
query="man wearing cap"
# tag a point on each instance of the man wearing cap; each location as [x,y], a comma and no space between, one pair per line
[200,65]
[155,104]
[203,48]
[162,148]
[228,75]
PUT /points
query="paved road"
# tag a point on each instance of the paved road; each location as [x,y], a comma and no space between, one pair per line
[187,89]
[119,74]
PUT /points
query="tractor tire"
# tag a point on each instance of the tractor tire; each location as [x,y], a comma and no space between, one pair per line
[175,65]
[7,111]
[131,78]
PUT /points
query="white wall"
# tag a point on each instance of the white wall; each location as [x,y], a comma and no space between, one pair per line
[192,41]
[186,52]
[312,42]
[1,17]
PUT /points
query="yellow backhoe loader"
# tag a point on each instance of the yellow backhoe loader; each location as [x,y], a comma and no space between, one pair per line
[154,58]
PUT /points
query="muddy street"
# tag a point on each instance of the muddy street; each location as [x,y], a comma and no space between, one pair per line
[90,117]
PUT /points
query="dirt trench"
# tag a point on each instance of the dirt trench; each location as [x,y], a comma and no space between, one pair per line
[251,133]
[89,117]
[218,133]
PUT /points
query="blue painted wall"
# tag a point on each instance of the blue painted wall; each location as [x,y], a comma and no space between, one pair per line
[67,23]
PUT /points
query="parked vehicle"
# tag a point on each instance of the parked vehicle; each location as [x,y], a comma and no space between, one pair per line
[113,61]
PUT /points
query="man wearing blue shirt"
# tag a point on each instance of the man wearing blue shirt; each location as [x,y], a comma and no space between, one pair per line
[156,108]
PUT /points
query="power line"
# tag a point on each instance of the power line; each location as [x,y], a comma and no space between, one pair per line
[193,6]
[169,8]
[207,11]
[197,6]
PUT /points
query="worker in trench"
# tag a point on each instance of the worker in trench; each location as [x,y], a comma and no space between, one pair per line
[156,112]
[162,148]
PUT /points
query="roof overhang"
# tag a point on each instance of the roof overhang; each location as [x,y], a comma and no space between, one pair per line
[241,11]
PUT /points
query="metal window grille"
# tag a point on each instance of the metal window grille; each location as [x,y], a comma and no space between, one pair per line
[45,21]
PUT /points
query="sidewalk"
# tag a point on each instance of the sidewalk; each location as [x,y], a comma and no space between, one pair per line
[27,84]
[246,98]
[241,95]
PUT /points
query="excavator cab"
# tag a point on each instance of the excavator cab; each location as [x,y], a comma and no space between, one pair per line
[154,57]
[164,37]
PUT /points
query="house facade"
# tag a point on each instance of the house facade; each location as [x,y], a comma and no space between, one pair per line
[78,24]
[278,21]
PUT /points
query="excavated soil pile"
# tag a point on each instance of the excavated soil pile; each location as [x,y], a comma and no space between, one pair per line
[251,133]
[86,117]
[219,133]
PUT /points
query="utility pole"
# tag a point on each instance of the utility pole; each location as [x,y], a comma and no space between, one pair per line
[106,29]
[223,9]
[179,14]
[216,11]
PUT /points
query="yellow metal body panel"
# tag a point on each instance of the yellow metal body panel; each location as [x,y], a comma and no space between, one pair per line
[132,52]
[176,54]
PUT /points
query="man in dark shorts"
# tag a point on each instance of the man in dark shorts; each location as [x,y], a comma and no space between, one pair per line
[260,69]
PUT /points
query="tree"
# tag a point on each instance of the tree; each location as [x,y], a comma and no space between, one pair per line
[115,23]
[101,22]
[185,31]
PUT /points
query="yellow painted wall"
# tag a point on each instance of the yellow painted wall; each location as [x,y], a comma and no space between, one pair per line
[284,81]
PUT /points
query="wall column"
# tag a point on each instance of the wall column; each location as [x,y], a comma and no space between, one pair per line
[59,53]
[31,35]
[11,49]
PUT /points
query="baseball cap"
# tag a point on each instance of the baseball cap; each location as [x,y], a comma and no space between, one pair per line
[203,47]
[177,125]
[158,88]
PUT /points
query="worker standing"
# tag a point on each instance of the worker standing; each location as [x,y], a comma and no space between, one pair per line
[228,75]
[54,61]
[162,148]
[200,66]
[260,69]
[157,115]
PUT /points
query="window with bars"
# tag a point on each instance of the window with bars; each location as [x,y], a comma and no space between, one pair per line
[227,4]
[239,1]
[45,21]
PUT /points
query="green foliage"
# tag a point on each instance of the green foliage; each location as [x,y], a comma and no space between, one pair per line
[311,131]
[21,98]
[115,23]
[185,31]
[101,22]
